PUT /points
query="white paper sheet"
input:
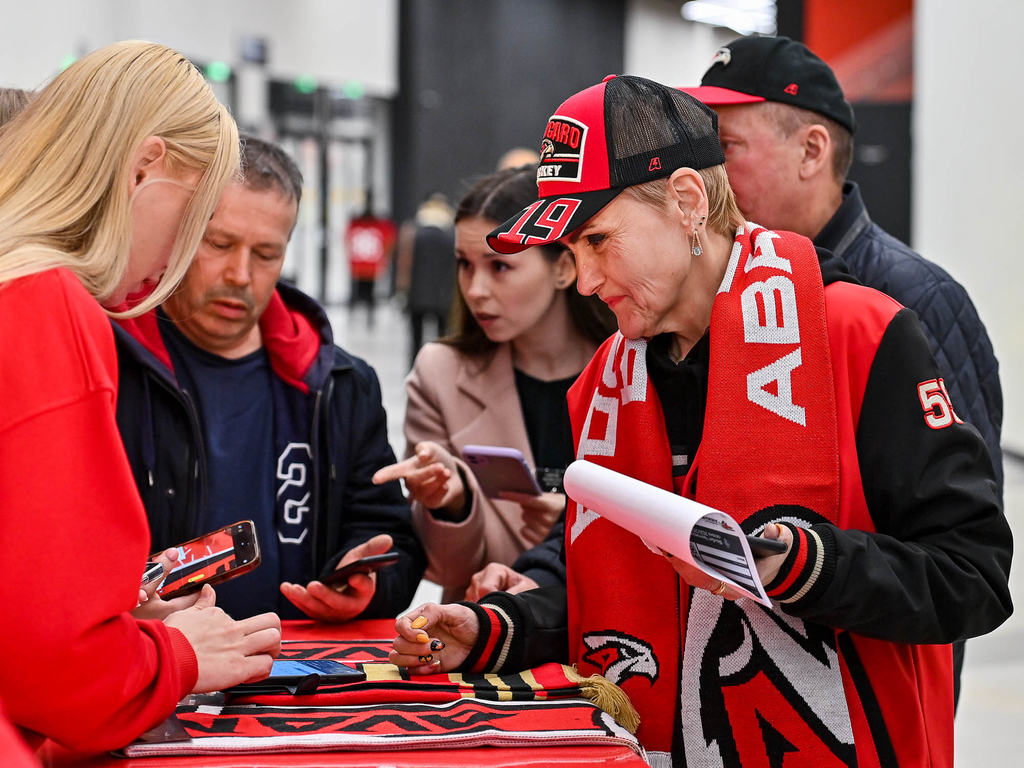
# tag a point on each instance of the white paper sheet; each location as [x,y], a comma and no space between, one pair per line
[702,536]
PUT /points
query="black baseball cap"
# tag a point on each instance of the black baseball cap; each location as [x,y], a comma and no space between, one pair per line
[616,134]
[753,69]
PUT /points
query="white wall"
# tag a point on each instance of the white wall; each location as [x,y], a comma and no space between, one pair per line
[332,40]
[662,46]
[968,161]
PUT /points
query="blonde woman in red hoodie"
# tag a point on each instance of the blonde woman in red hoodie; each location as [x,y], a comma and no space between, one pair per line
[109,177]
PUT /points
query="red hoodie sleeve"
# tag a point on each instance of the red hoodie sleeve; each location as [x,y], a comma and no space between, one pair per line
[74,665]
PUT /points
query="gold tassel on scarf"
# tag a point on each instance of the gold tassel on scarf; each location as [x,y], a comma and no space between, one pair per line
[608,696]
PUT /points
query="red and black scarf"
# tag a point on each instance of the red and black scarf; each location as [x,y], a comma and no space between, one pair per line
[750,682]
[549,705]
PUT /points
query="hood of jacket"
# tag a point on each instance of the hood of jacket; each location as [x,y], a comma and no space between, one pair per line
[295,331]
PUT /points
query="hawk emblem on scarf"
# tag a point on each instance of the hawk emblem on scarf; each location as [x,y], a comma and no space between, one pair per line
[620,656]
[769,683]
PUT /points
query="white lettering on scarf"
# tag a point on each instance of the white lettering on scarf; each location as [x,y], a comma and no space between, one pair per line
[632,387]
[776,296]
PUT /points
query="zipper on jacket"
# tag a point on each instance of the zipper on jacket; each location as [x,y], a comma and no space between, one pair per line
[198,470]
[314,523]
[199,473]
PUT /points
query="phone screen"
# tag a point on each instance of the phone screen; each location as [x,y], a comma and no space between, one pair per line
[203,558]
[326,668]
[293,668]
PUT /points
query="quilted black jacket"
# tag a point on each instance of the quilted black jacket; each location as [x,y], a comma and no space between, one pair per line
[955,332]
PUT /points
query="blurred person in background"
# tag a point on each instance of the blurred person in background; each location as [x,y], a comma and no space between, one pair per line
[369,241]
[236,404]
[518,157]
[12,102]
[524,333]
[787,132]
[109,177]
[753,374]
[425,274]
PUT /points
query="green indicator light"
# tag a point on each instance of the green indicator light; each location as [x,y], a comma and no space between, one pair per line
[218,71]
[305,84]
[67,61]
[354,89]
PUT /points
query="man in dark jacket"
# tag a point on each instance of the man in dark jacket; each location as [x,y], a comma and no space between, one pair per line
[787,132]
[234,403]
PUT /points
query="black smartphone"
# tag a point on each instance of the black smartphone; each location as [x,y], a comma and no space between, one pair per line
[765,547]
[302,676]
[213,558]
[368,564]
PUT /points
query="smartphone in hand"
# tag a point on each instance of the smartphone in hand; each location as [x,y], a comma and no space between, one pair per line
[500,469]
[368,564]
[760,547]
[213,558]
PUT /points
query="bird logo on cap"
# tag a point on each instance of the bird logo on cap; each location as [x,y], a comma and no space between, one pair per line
[722,55]
[547,149]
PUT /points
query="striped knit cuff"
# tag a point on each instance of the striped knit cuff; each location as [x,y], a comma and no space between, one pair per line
[498,636]
[808,568]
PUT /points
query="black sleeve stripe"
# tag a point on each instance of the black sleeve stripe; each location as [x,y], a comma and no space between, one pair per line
[823,571]
[510,649]
[484,621]
[773,587]
[813,552]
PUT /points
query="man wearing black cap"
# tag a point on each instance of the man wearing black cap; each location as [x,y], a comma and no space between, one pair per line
[787,132]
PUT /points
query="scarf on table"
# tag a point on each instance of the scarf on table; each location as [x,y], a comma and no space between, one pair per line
[550,705]
[749,684]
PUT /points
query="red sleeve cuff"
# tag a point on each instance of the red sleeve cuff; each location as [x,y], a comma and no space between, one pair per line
[185,660]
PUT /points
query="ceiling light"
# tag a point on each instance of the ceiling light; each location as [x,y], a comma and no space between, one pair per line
[743,16]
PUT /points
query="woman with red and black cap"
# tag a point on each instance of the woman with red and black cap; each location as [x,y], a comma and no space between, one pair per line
[752,373]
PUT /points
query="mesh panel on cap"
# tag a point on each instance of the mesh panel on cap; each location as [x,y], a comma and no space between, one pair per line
[652,130]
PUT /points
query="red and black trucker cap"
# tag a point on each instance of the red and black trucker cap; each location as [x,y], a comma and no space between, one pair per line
[774,69]
[616,134]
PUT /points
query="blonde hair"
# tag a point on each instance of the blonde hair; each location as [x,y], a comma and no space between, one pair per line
[724,215]
[66,162]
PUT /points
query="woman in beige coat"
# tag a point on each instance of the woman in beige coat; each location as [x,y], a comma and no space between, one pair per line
[523,335]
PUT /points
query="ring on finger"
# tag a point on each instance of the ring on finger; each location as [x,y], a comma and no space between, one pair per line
[719,589]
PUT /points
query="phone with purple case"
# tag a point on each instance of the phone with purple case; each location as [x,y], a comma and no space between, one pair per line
[500,469]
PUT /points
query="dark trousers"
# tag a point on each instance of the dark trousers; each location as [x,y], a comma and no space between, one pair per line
[362,293]
[416,319]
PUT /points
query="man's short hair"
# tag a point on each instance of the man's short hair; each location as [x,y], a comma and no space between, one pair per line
[788,119]
[267,166]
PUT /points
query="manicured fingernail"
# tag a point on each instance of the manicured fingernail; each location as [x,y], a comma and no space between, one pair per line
[419,623]
[422,638]
[436,664]
[426,659]
[436,645]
